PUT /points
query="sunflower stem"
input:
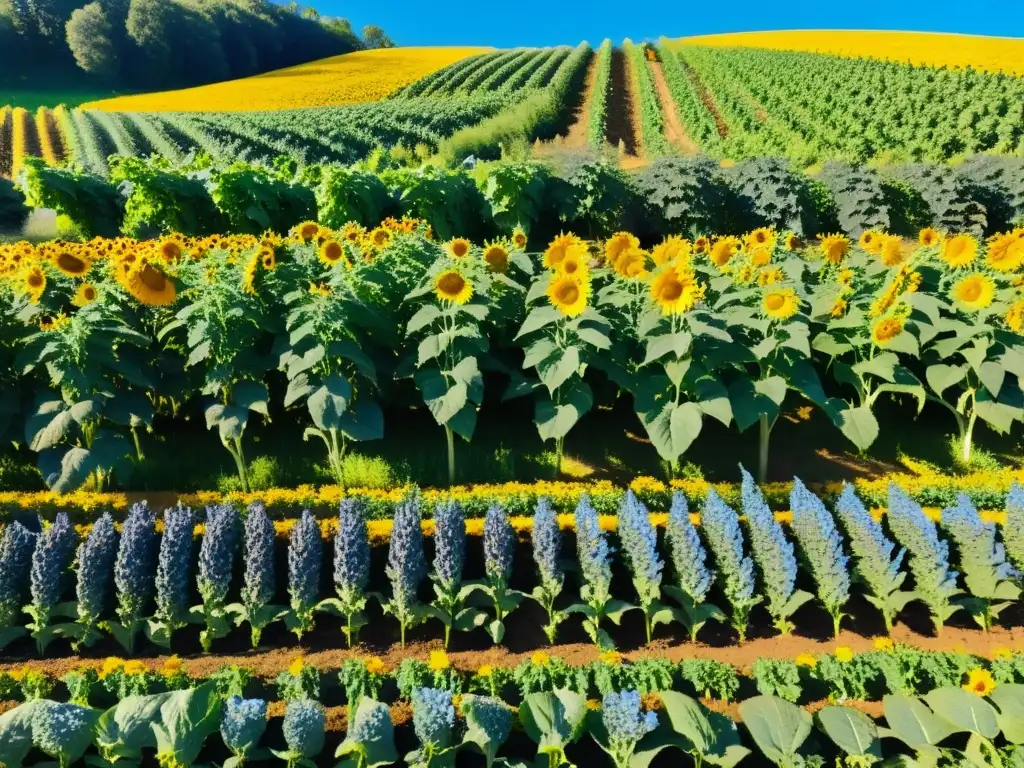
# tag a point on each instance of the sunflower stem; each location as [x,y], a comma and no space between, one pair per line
[450,439]
[762,453]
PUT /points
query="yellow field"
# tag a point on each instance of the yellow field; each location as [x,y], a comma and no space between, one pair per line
[993,54]
[349,79]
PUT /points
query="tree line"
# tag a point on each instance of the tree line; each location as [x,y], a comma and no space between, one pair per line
[138,44]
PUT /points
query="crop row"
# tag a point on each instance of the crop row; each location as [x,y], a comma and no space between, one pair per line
[948,723]
[812,107]
[738,566]
[648,103]
[598,115]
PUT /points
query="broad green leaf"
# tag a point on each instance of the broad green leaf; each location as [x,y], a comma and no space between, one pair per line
[853,732]
[126,725]
[556,371]
[553,720]
[329,403]
[965,710]
[16,733]
[363,421]
[251,395]
[860,426]
[555,420]
[779,728]
[1009,700]
[424,316]
[914,724]
[941,377]
[539,317]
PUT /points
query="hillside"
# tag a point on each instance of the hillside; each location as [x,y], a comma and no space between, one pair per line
[934,49]
[348,79]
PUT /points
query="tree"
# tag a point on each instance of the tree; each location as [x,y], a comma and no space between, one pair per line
[374,37]
[149,25]
[90,39]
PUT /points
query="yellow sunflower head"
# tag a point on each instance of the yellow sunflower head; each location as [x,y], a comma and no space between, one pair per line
[149,285]
[319,289]
[350,233]
[452,286]
[1005,253]
[558,249]
[723,250]
[307,231]
[763,237]
[673,250]
[268,259]
[439,661]
[890,250]
[631,263]
[871,241]
[458,248]
[974,292]
[980,682]
[618,244]
[85,295]
[496,257]
[929,237]
[793,242]
[886,330]
[760,255]
[333,253]
[34,283]
[780,303]
[70,264]
[1015,317]
[959,251]
[519,239]
[380,238]
[834,248]
[576,262]
[569,293]
[249,273]
[675,290]
[170,250]
[701,244]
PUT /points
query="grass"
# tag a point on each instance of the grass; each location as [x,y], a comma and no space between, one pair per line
[34,98]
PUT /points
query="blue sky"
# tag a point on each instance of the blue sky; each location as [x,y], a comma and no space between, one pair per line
[506,23]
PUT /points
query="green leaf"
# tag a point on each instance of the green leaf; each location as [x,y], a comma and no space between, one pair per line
[914,724]
[966,711]
[363,421]
[941,377]
[555,420]
[126,727]
[538,318]
[992,376]
[328,404]
[999,415]
[66,470]
[1009,699]
[677,344]
[860,426]
[553,720]
[424,316]
[379,747]
[554,372]
[672,427]
[229,420]
[251,395]
[779,728]
[853,732]
[16,733]
[187,718]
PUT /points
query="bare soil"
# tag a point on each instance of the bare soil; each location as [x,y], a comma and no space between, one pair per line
[577,137]
[623,122]
[707,98]
[56,139]
[6,129]
[675,132]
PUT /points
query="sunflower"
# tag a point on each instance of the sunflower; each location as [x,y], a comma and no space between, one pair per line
[871,241]
[980,682]
[760,256]
[496,257]
[70,264]
[793,242]
[86,294]
[770,276]
[380,238]
[834,247]
[170,250]
[352,233]
[332,252]
[838,308]
[308,230]
[974,292]
[375,665]
[1005,252]
[929,237]
[1015,317]
[886,330]
[558,249]
[672,250]
[519,239]
[458,247]
[701,244]
[890,250]
[451,286]
[959,251]
[268,259]
[319,289]
[574,263]
[675,290]
[55,323]
[631,263]
[723,250]
[150,286]
[569,294]
[761,237]
[249,274]
[34,283]
[780,304]
[618,244]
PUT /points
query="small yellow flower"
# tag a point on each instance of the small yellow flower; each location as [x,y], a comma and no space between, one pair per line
[806,660]
[844,654]
[652,702]
[883,644]
[980,682]
[134,667]
[539,658]
[929,237]
[439,661]
[611,658]
[110,665]
[172,666]
[485,671]
[594,705]
[1002,654]
[295,668]
[375,666]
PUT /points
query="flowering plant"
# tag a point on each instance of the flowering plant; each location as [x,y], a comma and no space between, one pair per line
[259,578]
[547,546]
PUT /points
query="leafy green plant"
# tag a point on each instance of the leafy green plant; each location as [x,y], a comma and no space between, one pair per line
[370,741]
[779,729]
[553,721]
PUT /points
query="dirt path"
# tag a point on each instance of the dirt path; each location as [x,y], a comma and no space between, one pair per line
[622,120]
[6,132]
[707,98]
[675,133]
[56,139]
[577,138]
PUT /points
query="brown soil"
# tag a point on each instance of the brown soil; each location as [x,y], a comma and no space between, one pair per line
[56,139]
[577,136]
[675,133]
[707,98]
[6,128]
[623,121]
[32,146]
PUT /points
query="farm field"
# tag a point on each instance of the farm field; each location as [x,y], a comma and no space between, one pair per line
[601,404]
